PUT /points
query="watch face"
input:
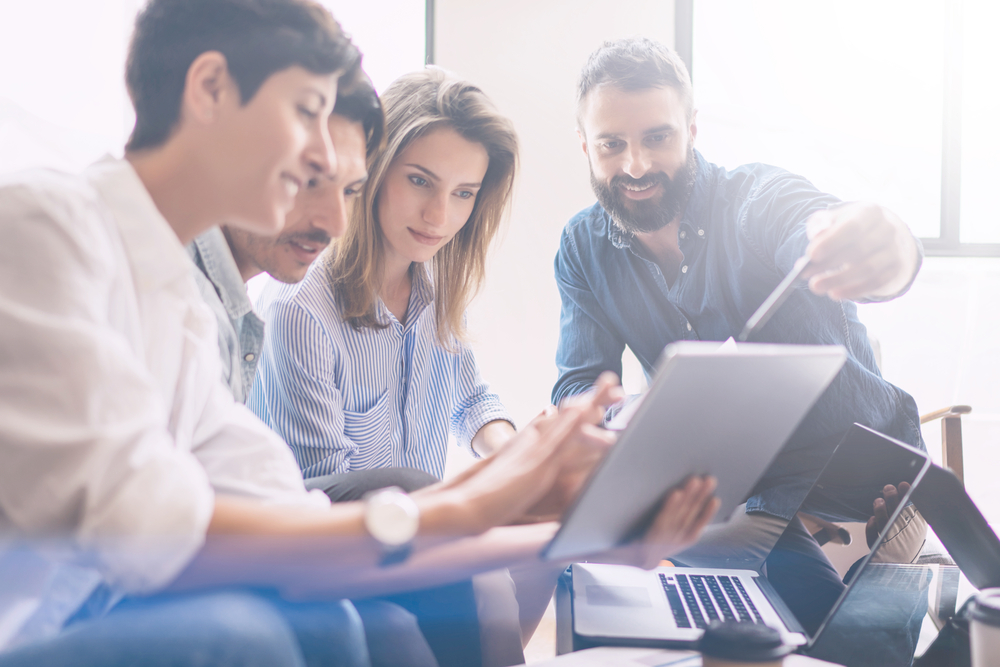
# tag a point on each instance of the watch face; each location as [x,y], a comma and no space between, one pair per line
[392,518]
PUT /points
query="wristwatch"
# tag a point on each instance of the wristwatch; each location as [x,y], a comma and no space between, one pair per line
[392,518]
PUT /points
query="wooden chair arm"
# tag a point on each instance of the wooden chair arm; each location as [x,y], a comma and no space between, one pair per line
[952,455]
[944,413]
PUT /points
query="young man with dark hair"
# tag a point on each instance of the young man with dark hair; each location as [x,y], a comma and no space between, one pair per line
[228,256]
[127,466]
[678,248]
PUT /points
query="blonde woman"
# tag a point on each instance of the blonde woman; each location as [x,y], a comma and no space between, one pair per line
[366,363]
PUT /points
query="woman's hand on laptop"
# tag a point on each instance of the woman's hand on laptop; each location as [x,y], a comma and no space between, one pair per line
[580,453]
[541,469]
[682,518]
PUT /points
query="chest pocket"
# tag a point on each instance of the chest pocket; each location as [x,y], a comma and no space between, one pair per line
[372,432]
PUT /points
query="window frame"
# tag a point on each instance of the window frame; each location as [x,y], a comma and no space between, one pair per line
[948,243]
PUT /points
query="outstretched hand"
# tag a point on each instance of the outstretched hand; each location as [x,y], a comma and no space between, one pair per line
[859,251]
[585,448]
[541,469]
[680,522]
[882,509]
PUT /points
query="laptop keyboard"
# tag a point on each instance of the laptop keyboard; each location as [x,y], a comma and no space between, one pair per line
[708,597]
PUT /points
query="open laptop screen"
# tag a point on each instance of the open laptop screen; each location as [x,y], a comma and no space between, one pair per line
[875,609]
[864,463]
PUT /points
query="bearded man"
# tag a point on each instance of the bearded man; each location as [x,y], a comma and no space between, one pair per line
[678,248]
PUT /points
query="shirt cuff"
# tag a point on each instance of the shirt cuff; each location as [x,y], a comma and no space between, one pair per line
[478,416]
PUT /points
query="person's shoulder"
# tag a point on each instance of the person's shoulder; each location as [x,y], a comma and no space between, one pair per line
[312,295]
[48,193]
[48,212]
[592,219]
[757,179]
[589,226]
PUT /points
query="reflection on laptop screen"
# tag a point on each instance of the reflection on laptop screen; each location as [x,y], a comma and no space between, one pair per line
[864,463]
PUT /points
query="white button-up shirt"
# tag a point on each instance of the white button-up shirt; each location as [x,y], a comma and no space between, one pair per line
[115,429]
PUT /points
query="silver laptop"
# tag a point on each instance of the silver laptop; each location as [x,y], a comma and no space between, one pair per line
[671,606]
[721,411]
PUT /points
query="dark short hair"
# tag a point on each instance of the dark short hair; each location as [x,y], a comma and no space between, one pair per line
[358,101]
[257,37]
[635,64]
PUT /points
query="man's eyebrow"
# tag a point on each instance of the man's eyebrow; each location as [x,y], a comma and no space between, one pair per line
[659,129]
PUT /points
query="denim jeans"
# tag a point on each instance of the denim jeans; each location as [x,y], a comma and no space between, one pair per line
[223,628]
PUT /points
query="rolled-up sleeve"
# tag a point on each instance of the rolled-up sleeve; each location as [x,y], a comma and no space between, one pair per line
[86,453]
[475,403]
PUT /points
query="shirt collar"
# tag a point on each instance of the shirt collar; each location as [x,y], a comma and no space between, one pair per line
[221,269]
[154,251]
[693,213]
[421,294]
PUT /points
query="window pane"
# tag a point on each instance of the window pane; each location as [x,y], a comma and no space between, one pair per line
[980,220]
[63,102]
[848,93]
[390,34]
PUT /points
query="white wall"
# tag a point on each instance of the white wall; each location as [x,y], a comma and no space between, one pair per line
[527,55]
[940,342]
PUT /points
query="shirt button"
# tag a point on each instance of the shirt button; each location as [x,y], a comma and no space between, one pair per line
[684,269]
[683,234]
[689,326]
[250,356]
[701,232]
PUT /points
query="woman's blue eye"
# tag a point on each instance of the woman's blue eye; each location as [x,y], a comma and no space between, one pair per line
[416,180]
[465,194]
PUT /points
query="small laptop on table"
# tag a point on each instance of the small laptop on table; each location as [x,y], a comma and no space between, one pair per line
[671,606]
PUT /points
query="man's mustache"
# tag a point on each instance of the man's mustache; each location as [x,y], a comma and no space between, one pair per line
[648,179]
[315,236]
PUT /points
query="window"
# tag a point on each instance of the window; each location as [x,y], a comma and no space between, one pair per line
[63,102]
[890,101]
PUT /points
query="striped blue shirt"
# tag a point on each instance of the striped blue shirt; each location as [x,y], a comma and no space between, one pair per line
[352,399]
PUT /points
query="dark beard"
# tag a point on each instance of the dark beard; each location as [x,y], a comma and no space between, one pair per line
[636,217]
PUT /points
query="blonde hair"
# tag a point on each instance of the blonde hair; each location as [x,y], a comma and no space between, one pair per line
[416,104]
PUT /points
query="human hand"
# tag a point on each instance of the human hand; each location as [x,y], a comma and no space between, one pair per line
[541,468]
[882,509]
[682,518]
[591,444]
[858,251]
[585,448]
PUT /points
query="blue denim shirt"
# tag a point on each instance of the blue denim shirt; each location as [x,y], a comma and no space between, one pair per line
[241,332]
[740,235]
